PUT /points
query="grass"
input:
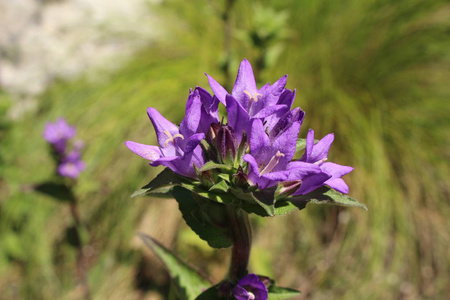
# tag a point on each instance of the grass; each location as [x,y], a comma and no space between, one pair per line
[374,72]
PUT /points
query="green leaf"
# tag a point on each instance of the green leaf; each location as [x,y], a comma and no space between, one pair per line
[325,195]
[160,185]
[212,165]
[221,186]
[58,191]
[278,293]
[189,283]
[210,294]
[200,218]
[216,197]
[263,199]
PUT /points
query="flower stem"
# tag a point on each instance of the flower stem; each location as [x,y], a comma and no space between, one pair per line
[83,242]
[242,241]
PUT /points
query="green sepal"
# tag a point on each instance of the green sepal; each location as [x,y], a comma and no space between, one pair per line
[225,177]
[301,145]
[221,186]
[278,293]
[212,165]
[204,217]
[216,197]
[188,282]
[160,185]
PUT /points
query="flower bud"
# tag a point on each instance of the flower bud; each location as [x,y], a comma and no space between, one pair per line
[286,188]
[225,144]
[241,178]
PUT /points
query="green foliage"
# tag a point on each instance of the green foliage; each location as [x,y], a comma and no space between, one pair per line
[279,293]
[205,221]
[188,282]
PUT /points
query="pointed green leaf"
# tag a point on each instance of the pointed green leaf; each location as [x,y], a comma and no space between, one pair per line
[212,165]
[188,282]
[199,221]
[199,190]
[225,177]
[278,293]
[325,195]
[160,185]
[221,186]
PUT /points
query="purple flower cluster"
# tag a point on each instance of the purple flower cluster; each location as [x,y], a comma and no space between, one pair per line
[58,134]
[259,139]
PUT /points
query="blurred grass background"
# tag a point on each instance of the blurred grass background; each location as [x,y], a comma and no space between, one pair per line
[374,72]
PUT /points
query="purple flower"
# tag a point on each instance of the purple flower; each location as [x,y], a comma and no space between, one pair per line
[71,165]
[257,103]
[179,148]
[258,141]
[318,154]
[58,133]
[270,160]
[250,288]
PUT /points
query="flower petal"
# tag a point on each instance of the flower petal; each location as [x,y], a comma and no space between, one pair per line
[193,142]
[217,89]
[238,118]
[338,184]
[336,170]
[286,142]
[161,125]
[320,150]
[287,98]
[148,152]
[258,139]
[245,81]
[268,110]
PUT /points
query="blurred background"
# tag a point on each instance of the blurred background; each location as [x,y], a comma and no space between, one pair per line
[375,72]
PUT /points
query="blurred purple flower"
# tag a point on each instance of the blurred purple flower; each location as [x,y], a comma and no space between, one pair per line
[58,133]
[179,148]
[250,288]
[71,165]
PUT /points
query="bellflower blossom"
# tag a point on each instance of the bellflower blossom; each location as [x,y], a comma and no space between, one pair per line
[221,171]
[179,148]
[266,115]
[250,288]
[259,139]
